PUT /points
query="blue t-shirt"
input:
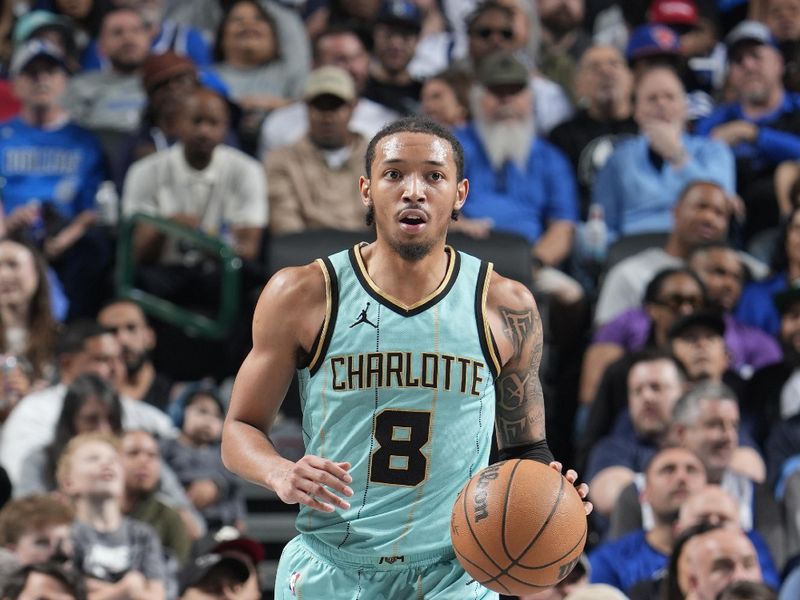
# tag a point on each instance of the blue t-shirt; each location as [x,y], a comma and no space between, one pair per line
[771,146]
[626,561]
[521,202]
[62,166]
[630,559]
[757,307]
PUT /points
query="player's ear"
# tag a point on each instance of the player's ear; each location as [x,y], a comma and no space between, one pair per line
[462,189]
[363,189]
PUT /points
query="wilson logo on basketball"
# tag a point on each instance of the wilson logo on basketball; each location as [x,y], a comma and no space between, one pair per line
[481,493]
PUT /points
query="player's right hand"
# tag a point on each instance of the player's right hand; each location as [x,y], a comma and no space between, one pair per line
[312,480]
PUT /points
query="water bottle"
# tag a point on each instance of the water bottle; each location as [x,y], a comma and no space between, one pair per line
[595,234]
[107,201]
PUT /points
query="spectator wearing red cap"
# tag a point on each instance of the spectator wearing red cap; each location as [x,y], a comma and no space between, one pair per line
[704,55]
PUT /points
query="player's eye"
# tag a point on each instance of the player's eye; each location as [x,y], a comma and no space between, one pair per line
[436,176]
[392,174]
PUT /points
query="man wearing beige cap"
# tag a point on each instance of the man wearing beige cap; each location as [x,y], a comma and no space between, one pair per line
[313,182]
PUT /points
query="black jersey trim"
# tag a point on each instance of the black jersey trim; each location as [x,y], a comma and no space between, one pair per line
[320,347]
[488,345]
[394,304]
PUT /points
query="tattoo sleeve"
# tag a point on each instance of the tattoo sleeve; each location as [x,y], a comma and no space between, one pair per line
[520,403]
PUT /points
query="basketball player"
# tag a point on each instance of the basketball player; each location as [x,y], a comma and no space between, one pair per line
[408,352]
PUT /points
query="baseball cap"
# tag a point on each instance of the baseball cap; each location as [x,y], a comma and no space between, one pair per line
[705,318]
[330,81]
[652,40]
[197,570]
[35,20]
[750,31]
[400,13]
[160,68]
[500,69]
[673,12]
[32,49]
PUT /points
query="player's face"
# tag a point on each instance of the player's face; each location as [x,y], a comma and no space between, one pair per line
[722,556]
[413,189]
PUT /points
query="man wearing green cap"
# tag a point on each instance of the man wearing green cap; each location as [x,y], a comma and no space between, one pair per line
[519,181]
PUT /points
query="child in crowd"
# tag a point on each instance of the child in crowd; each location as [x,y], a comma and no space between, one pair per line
[121,558]
[197,461]
[37,529]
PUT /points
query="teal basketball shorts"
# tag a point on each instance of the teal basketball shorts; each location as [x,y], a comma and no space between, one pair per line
[310,571]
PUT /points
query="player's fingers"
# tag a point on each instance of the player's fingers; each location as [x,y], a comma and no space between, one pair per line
[320,491]
[571,475]
[583,490]
[333,483]
[588,507]
[556,465]
[314,503]
[337,471]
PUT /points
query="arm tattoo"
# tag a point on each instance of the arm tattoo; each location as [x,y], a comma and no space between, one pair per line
[520,403]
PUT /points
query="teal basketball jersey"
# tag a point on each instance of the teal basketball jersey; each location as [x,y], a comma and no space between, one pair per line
[406,395]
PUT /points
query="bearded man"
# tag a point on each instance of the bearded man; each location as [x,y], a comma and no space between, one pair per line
[522,183]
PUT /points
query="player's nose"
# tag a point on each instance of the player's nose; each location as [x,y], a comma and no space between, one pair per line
[414,189]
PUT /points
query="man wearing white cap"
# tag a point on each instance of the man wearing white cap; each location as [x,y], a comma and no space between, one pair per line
[313,181]
[761,125]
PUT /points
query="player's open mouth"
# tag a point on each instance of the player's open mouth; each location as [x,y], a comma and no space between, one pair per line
[413,220]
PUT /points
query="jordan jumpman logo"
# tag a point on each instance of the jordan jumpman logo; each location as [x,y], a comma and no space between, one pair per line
[363,318]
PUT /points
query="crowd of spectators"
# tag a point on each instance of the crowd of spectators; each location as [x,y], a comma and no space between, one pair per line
[646,152]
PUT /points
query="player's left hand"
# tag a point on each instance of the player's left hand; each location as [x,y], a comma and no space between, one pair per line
[572,477]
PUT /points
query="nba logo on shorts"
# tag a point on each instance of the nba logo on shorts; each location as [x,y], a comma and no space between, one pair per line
[293,579]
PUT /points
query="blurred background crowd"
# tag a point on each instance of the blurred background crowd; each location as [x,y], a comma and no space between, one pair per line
[636,163]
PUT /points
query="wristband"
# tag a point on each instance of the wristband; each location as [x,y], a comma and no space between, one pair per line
[538,451]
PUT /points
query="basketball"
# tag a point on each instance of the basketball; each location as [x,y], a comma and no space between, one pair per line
[518,527]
